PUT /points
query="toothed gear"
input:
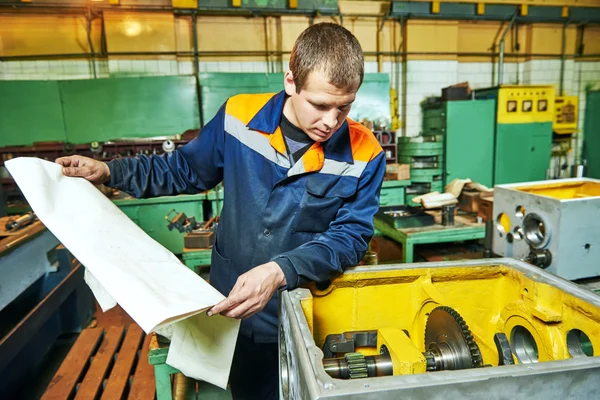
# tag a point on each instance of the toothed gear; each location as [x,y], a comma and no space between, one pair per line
[357,365]
[430,359]
[449,340]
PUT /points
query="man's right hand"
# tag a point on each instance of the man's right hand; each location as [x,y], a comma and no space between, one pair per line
[93,170]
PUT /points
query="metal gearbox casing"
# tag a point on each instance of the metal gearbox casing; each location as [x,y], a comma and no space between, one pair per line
[560,216]
[362,298]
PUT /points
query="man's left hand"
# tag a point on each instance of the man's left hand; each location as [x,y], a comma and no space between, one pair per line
[251,292]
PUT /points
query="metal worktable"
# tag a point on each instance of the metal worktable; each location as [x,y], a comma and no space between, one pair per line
[464,229]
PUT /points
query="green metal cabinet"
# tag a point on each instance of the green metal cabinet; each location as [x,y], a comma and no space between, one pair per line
[522,152]
[149,214]
[591,133]
[469,140]
[393,193]
[434,121]
[523,135]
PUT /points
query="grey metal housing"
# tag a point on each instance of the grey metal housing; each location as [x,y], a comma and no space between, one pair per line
[302,375]
[571,228]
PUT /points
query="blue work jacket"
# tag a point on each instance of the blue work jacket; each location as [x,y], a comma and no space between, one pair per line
[313,219]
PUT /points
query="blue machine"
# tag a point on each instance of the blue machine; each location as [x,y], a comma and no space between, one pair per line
[42,295]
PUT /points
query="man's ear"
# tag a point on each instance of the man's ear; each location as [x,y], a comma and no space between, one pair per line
[288,83]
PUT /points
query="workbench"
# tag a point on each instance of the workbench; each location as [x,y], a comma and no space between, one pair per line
[393,193]
[465,228]
[149,214]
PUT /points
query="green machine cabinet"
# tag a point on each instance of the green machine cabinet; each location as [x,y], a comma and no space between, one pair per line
[393,193]
[469,140]
[523,131]
[591,133]
[149,214]
[522,152]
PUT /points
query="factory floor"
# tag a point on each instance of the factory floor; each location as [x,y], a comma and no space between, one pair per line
[41,379]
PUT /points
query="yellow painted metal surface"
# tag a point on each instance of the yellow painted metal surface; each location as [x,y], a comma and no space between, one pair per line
[564,190]
[480,8]
[424,36]
[525,104]
[35,34]
[435,7]
[293,3]
[406,358]
[566,115]
[547,39]
[184,3]
[491,299]
[135,31]
[236,3]
[524,9]
[573,3]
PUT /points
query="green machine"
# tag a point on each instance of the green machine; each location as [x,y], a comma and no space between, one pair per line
[457,141]
[523,131]
[591,131]
[168,219]
[467,129]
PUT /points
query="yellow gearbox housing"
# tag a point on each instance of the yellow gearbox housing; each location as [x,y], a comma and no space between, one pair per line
[551,325]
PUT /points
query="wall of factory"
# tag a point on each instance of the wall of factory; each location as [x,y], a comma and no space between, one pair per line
[225,43]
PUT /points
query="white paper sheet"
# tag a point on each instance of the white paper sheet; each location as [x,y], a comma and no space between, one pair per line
[126,266]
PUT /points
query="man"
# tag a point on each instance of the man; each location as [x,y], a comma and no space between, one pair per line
[301,187]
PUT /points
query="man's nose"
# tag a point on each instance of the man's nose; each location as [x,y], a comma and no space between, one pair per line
[330,119]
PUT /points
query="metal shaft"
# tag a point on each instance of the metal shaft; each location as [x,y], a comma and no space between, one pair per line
[379,365]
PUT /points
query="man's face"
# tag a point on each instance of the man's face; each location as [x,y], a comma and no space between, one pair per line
[320,108]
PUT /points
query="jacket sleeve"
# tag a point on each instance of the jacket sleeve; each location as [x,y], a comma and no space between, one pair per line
[345,242]
[193,168]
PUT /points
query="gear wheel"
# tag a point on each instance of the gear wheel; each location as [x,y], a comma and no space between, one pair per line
[450,342]
[357,365]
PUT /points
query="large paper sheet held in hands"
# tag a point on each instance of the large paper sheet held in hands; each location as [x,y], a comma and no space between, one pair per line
[126,266]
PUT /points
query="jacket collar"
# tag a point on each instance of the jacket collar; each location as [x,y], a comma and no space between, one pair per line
[267,120]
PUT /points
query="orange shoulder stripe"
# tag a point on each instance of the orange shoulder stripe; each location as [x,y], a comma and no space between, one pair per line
[364,144]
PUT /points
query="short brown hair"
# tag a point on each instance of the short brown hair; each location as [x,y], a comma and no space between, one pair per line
[329,48]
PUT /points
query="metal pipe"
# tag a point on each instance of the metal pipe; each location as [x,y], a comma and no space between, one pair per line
[195,44]
[403,34]
[563,57]
[501,56]
[88,29]
[197,67]
[253,12]
[244,53]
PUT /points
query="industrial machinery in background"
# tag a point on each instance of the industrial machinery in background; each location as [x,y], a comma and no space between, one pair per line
[465,130]
[553,224]
[42,295]
[565,134]
[424,154]
[522,131]
[496,328]
[592,134]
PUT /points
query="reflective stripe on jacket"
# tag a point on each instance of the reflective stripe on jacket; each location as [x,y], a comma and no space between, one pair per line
[314,219]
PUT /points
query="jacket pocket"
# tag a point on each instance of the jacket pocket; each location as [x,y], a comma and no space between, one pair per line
[220,271]
[324,196]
